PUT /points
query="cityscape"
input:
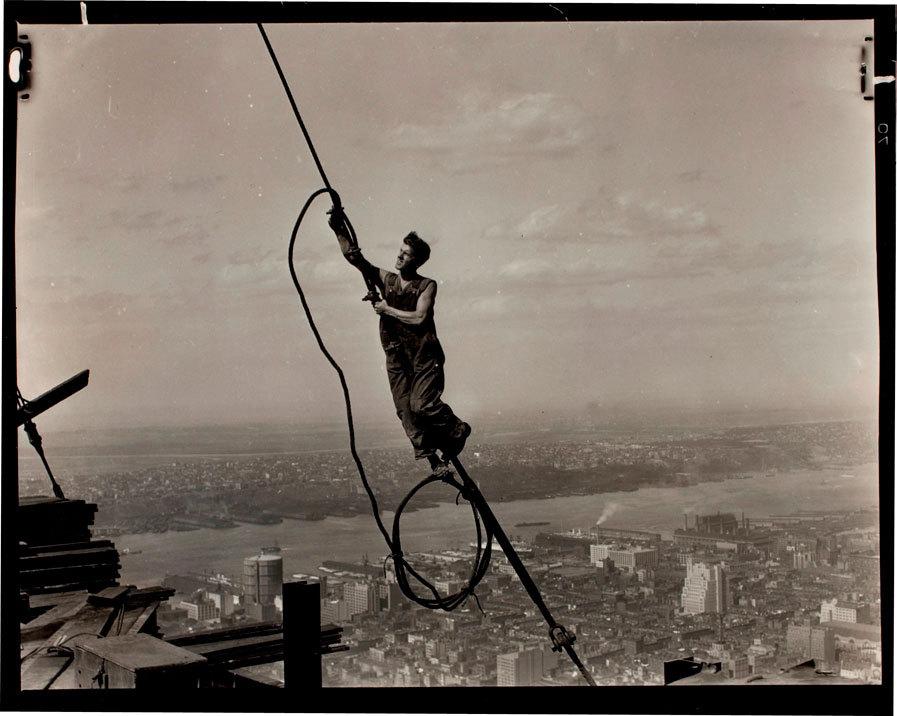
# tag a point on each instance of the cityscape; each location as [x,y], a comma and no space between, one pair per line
[754,598]
[752,594]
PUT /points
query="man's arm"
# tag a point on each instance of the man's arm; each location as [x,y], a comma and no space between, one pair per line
[353,253]
[420,312]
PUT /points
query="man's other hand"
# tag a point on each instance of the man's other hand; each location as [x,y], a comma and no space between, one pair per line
[380,307]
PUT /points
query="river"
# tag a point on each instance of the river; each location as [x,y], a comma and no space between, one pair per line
[305,545]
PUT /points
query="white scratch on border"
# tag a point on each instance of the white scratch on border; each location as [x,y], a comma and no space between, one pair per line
[555,7]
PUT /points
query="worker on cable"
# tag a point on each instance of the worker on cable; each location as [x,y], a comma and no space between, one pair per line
[414,357]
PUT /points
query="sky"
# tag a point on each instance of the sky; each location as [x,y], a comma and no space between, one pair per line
[650,217]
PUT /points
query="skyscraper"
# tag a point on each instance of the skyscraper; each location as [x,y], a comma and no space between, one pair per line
[705,588]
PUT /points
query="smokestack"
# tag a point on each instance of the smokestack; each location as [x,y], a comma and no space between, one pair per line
[686,521]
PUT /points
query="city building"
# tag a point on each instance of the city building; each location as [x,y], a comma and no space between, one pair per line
[861,639]
[260,612]
[525,667]
[391,597]
[865,564]
[200,607]
[334,610]
[803,558]
[705,588]
[224,601]
[361,598]
[719,523]
[612,533]
[815,642]
[626,559]
[738,667]
[835,610]
[721,532]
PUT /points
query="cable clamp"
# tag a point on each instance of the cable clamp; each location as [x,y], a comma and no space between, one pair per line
[395,557]
[560,637]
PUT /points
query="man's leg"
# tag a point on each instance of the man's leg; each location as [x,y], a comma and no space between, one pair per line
[398,371]
[444,430]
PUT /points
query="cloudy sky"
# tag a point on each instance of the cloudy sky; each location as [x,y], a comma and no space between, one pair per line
[623,216]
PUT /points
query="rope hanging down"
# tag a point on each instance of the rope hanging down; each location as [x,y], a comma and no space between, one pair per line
[487,528]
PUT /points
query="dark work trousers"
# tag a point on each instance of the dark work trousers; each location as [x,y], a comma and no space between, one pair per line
[417,381]
[414,364]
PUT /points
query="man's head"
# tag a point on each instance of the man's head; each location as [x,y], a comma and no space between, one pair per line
[419,249]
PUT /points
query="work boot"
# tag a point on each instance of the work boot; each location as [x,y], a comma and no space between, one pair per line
[457,440]
[440,469]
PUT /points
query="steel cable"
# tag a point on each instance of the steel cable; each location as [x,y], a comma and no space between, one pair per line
[466,487]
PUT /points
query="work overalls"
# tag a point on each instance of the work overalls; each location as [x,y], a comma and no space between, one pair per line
[414,364]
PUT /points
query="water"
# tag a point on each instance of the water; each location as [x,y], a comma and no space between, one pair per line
[305,545]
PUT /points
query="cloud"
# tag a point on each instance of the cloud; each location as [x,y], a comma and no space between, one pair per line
[252,268]
[631,216]
[252,255]
[195,183]
[90,308]
[128,220]
[191,237]
[329,271]
[494,304]
[525,268]
[540,221]
[487,131]
[128,183]
[47,290]
[623,216]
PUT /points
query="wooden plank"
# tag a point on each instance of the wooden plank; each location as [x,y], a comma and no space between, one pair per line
[150,594]
[91,585]
[25,551]
[109,595]
[63,575]
[333,649]
[49,622]
[51,600]
[222,648]
[53,505]
[76,558]
[242,678]
[66,681]
[85,549]
[225,633]
[54,522]
[30,500]
[43,669]
[79,534]
[91,619]
[136,616]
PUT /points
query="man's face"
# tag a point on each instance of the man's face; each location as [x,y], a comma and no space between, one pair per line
[406,258]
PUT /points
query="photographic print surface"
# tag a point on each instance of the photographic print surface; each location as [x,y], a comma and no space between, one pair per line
[653,248]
